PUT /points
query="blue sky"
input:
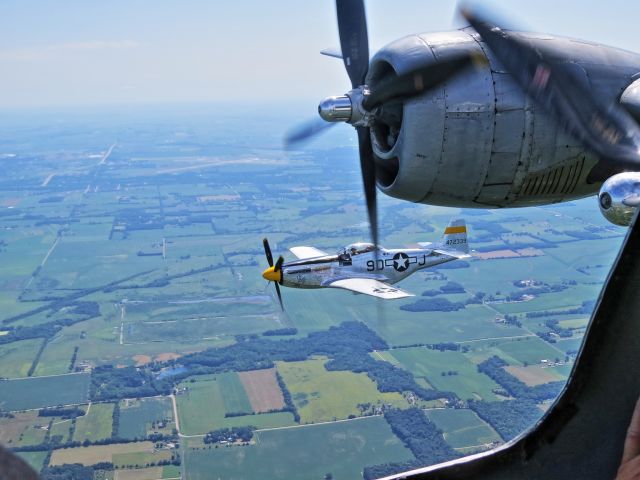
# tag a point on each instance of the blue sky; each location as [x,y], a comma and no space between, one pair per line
[141,51]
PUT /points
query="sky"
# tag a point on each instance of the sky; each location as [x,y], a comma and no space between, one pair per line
[79,53]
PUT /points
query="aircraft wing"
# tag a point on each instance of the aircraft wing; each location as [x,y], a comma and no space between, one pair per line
[369,286]
[307,252]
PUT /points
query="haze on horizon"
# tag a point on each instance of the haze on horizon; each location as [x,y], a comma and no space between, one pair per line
[79,53]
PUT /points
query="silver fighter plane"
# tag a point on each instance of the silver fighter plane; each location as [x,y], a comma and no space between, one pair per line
[362,268]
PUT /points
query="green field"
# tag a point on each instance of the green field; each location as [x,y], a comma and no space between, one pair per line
[38,392]
[35,459]
[16,358]
[434,366]
[136,419]
[342,449]
[463,428]
[202,407]
[96,425]
[530,350]
[321,395]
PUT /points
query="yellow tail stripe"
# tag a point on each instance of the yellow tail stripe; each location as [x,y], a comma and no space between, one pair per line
[451,230]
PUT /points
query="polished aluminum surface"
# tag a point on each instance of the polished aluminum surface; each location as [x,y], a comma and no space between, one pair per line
[614,193]
[335,109]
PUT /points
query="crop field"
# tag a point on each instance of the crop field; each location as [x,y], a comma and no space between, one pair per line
[233,394]
[136,417]
[16,358]
[140,458]
[530,350]
[98,453]
[202,407]
[150,473]
[342,449]
[463,428]
[262,389]
[38,392]
[437,367]
[96,424]
[55,359]
[534,374]
[24,429]
[35,459]
[321,395]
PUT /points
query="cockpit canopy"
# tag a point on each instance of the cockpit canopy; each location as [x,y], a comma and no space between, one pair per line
[358,248]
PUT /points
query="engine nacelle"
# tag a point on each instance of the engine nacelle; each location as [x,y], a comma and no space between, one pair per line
[619,198]
[478,140]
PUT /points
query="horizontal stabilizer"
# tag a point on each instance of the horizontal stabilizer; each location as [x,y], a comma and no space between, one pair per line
[369,286]
[332,52]
[452,253]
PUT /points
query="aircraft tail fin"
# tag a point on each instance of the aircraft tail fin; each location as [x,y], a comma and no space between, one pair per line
[455,236]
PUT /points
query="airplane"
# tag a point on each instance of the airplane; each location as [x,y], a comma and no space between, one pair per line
[486,117]
[363,268]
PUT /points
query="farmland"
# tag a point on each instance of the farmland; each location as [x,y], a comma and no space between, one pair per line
[205,402]
[342,448]
[40,392]
[322,396]
[143,251]
[96,424]
[262,389]
[137,417]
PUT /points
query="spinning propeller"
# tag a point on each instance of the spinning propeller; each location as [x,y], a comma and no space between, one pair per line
[364,104]
[274,272]
[562,88]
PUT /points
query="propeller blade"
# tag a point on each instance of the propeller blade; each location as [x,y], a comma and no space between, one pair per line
[279,262]
[305,131]
[563,89]
[279,295]
[267,251]
[368,168]
[354,42]
[418,81]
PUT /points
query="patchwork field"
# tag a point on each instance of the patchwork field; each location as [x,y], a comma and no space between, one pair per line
[342,449]
[38,392]
[137,416]
[463,429]
[16,358]
[103,453]
[262,389]
[96,424]
[205,402]
[25,429]
[447,371]
[321,395]
[534,374]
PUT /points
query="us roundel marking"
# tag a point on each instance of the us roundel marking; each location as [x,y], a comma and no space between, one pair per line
[400,262]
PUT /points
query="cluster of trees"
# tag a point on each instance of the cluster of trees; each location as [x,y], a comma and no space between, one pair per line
[452,287]
[74,357]
[535,290]
[509,418]
[419,435]
[63,412]
[115,421]
[433,305]
[280,332]
[109,383]
[586,308]
[554,324]
[289,406]
[493,368]
[233,434]
[73,471]
[512,320]
[55,441]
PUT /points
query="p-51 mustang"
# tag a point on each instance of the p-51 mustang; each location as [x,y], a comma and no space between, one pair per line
[360,268]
